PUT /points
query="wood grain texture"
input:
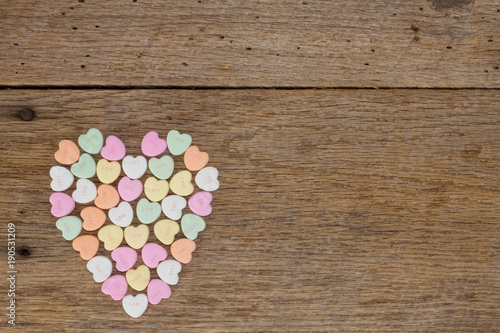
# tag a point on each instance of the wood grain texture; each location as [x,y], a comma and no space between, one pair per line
[439,43]
[341,210]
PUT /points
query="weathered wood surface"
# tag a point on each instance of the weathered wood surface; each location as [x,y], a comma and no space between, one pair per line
[342,210]
[438,43]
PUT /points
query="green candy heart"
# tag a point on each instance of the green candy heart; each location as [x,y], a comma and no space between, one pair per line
[162,167]
[191,225]
[92,141]
[85,167]
[71,226]
[178,143]
[148,212]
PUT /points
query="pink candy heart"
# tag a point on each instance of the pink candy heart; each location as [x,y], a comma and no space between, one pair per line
[125,258]
[116,286]
[152,254]
[158,290]
[200,203]
[152,145]
[129,189]
[114,150]
[62,204]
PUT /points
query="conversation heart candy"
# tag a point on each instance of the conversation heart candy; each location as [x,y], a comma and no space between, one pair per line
[152,254]
[62,204]
[148,212]
[85,191]
[116,286]
[181,183]
[87,245]
[152,145]
[200,203]
[136,237]
[129,189]
[111,236]
[135,306]
[194,159]
[114,150]
[125,258]
[168,271]
[178,143]
[107,172]
[107,197]
[68,152]
[155,189]
[92,141]
[71,226]
[93,218]
[165,231]
[172,206]
[163,167]
[206,179]
[138,279]
[122,215]
[85,167]
[134,167]
[62,178]
[101,268]
[158,290]
[182,250]
[191,225]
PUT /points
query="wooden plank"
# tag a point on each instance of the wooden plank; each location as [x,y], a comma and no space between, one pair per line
[438,43]
[339,210]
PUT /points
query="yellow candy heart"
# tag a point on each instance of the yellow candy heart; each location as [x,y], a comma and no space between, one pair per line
[181,183]
[155,189]
[165,231]
[111,235]
[107,172]
[136,237]
[138,278]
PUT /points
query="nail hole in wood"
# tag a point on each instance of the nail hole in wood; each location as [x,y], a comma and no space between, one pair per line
[27,114]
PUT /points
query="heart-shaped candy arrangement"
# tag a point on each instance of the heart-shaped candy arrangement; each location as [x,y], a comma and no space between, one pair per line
[113,211]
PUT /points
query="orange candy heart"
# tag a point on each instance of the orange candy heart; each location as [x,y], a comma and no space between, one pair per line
[194,159]
[68,152]
[87,245]
[107,197]
[182,250]
[93,218]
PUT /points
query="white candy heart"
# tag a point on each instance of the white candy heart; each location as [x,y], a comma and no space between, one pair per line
[101,267]
[62,178]
[169,270]
[122,215]
[206,179]
[134,168]
[172,206]
[135,305]
[85,191]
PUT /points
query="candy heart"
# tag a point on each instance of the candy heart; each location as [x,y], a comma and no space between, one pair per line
[68,152]
[62,204]
[191,225]
[206,179]
[62,178]
[162,167]
[135,306]
[136,237]
[101,268]
[85,167]
[107,172]
[138,278]
[158,290]
[134,168]
[87,245]
[111,235]
[122,215]
[152,145]
[178,143]
[155,189]
[85,191]
[152,254]
[107,197]
[116,286]
[114,150]
[169,270]
[92,141]
[194,159]
[129,189]
[181,183]
[148,212]
[125,258]
[165,231]
[71,226]
[200,203]
[182,250]
[172,206]
[93,218]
